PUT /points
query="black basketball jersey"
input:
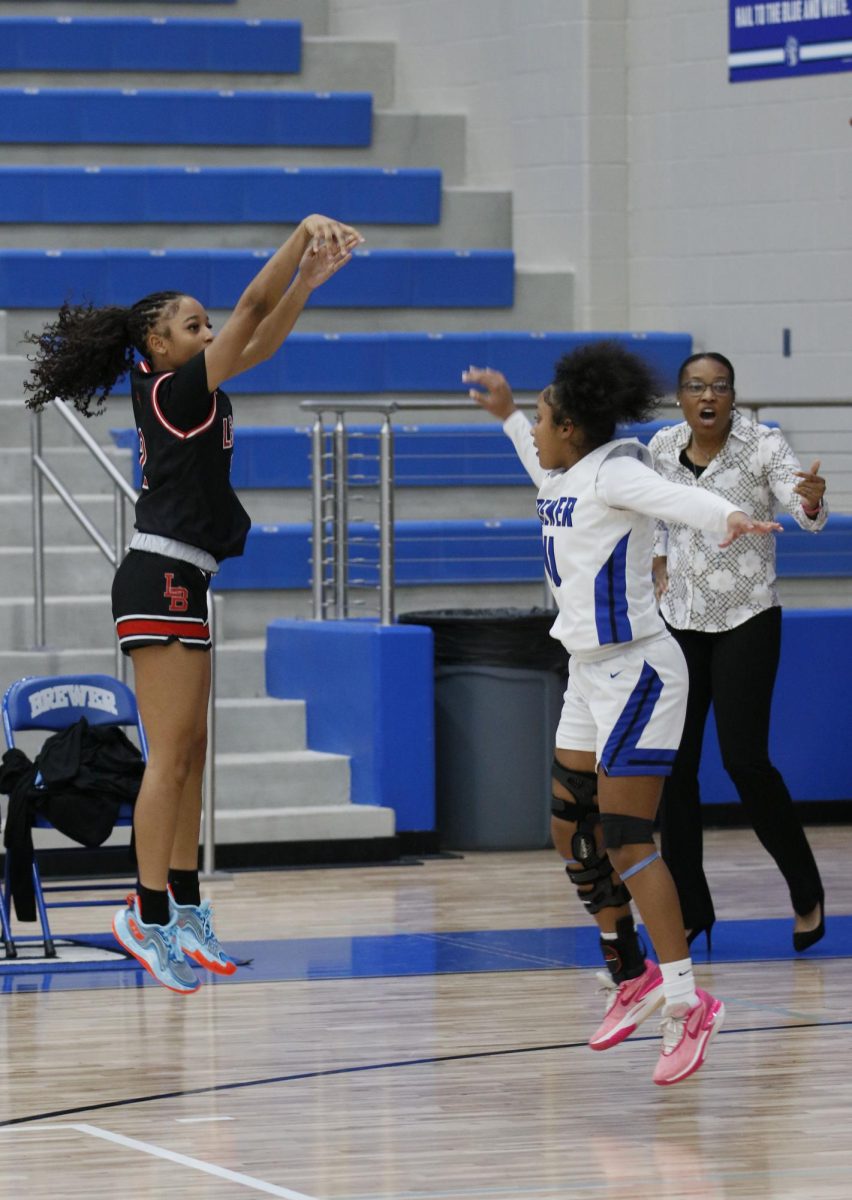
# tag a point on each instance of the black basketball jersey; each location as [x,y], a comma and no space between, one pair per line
[186,439]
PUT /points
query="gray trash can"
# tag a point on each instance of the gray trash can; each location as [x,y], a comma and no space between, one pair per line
[499,682]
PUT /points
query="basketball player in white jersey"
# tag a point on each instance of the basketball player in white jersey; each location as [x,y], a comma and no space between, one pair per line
[624,707]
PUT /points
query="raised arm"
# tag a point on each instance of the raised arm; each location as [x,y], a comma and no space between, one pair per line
[491,391]
[267,310]
[626,482]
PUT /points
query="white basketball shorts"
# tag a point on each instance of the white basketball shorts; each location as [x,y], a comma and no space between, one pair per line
[629,708]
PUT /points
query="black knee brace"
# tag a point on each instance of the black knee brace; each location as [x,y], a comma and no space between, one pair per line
[595,869]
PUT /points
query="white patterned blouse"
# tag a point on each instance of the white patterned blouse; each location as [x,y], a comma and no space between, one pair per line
[711,590]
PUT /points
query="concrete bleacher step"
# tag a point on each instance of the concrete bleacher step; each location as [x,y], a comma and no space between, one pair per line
[266,826]
[399,139]
[247,725]
[75,468]
[471,218]
[326,823]
[541,301]
[239,662]
[328,64]
[281,778]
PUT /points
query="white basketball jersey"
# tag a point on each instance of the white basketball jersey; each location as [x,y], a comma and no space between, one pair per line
[597,523]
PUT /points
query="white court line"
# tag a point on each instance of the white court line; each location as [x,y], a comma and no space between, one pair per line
[183,1160]
[199,1120]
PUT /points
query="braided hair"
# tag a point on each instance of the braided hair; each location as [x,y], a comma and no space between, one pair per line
[83,353]
[599,386]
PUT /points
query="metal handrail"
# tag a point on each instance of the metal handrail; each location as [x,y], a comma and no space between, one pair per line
[113,552]
[339,561]
[340,506]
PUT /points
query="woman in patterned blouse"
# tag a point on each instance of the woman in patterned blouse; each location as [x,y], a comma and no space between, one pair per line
[723,608]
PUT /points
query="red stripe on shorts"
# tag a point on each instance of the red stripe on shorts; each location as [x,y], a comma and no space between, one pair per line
[187,631]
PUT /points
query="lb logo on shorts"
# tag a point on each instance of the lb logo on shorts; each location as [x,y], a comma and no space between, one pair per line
[178,597]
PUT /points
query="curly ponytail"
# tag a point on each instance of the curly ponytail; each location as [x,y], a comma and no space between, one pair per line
[85,351]
[599,386]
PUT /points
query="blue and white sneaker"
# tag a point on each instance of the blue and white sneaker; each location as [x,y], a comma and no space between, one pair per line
[196,937]
[156,947]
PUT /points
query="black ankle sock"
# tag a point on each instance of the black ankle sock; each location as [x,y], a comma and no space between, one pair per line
[153,906]
[185,888]
[624,955]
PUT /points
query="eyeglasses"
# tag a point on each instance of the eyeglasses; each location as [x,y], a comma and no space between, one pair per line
[695,387]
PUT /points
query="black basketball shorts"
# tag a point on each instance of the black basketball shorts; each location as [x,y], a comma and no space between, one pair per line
[156,600]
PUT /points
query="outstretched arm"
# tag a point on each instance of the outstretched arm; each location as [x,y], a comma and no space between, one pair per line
[491,391]
[269,301]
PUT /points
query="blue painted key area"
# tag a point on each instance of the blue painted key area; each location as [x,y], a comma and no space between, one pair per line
[374,278]
[149,44]
[184,117]
[426,954]
[199,195]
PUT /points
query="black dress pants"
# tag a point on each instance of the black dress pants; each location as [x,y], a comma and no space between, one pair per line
[735,670]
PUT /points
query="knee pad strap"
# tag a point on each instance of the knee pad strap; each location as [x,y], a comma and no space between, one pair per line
[640,866]
[620,830]
[583,786]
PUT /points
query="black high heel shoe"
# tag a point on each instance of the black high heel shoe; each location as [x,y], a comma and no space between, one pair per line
[707,930]
[803,941]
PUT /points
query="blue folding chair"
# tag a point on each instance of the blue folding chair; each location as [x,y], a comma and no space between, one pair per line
[53,702]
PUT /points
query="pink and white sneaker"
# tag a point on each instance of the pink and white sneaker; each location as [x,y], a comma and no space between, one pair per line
[686,1037]
[628,1005]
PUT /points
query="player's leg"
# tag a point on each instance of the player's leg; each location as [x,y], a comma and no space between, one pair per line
[196,935]
[171,682]
[632,985]
[637,751]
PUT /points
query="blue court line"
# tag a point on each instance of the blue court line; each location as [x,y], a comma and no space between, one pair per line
[411,954]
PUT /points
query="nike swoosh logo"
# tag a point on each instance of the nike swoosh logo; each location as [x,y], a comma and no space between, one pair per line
[682,973]
[613,674]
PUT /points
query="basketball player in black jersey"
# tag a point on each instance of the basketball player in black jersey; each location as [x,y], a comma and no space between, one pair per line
[188,519]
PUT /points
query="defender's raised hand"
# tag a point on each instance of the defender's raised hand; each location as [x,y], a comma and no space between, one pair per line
[490,390]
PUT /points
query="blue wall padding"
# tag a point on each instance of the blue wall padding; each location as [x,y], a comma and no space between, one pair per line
[149,44]
[809,731]
[424,455]
[370,694]
[476,551]
[347,363]
[172,116]
[199,195]
[373,279]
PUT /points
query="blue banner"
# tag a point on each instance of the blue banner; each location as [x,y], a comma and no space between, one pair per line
[782,38]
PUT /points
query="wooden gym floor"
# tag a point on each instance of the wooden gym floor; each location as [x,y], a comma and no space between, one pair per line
[415,1041]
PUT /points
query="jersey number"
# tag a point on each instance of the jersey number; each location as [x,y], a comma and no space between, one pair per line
[550,559]
[227,433]
[178,597]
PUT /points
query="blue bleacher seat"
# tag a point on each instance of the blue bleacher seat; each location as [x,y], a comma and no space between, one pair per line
[374,279]
[483,551]
[376,363]
[184,117]
[149,44]
[230,195]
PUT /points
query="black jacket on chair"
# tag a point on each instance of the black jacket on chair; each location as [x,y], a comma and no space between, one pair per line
[80,778]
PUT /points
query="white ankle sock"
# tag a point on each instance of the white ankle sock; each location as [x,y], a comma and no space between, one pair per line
[678,985]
